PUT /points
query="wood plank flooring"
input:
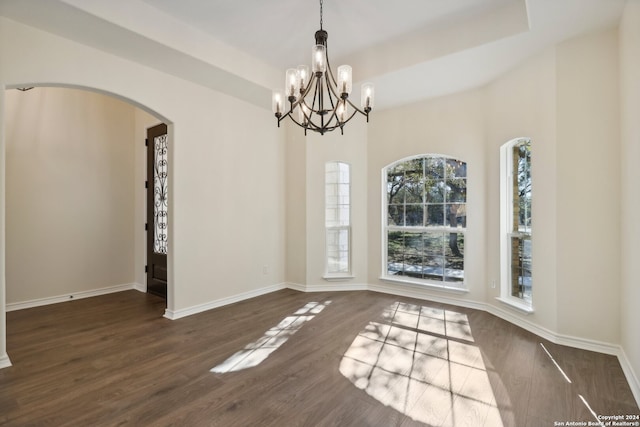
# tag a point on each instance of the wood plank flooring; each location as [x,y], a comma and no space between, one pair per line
[364,359]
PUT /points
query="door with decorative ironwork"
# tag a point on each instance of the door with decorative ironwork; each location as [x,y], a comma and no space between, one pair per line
[157,210]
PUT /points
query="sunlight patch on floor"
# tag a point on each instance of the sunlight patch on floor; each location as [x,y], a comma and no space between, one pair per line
[256,352]
[555,363]
[421,362]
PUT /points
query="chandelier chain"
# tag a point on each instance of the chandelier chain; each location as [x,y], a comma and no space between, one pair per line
[320,14]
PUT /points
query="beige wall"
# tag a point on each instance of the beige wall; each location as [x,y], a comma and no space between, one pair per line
[350,148]
[630,178]
[70,192]
[452,126]
[228,192]
[296,210]
[522,103]
[588,187]
[566,100]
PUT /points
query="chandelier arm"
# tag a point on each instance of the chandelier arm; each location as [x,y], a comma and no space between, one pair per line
[348,101]
[330,91]
[282,117]
[332,124]
[309,124]
[321,112]
[309,85]
[307,118]
[350,117]
[356,108]
[323,127]
[333,127]
[329,70]
[315,96]
[297,122]
[332,117]
[315,127]
[342,123]
[301,102]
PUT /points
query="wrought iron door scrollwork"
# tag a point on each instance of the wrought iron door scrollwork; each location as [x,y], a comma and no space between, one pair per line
[160,188]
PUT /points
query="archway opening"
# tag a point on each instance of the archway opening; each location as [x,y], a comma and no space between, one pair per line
[74,205]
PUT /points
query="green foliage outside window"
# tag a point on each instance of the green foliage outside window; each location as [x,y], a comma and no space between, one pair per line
[426,218]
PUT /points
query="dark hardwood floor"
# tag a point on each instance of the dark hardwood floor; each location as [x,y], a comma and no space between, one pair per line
[352,359]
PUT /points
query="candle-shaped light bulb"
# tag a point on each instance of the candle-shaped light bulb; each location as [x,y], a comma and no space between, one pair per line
[341,111]
[277,102]
[344,79]
[318,59]
[303,77]
[367,96]
[291,80]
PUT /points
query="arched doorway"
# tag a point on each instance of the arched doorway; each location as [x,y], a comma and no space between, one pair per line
[74,167]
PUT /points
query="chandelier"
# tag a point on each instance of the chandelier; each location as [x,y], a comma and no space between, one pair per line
[316,101]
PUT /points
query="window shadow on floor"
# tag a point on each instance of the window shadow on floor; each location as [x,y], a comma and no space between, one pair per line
[256,352]
[422,362]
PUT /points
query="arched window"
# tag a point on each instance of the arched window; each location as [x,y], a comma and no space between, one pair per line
[425,200]
[338,219]
[516,221]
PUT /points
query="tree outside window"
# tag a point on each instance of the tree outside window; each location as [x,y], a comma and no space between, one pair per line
[426,199]
[516,202]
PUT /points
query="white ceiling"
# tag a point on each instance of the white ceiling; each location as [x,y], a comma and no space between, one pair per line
[279,31]
[411,49]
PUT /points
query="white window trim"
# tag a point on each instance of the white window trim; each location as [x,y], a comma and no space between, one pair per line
[425,284]
[338,278]
[517,303]
[461,287]
[506,222]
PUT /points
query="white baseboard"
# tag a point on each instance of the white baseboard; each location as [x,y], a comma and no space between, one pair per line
[556,338]
[329,287]
[140,288]
[68,297]
[296,287]
[581,343]
[4,361]
[632,378]
[412,292]
[177,314]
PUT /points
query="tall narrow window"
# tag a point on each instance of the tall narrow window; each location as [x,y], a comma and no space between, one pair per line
[426,218]
[338,219]
[516,221]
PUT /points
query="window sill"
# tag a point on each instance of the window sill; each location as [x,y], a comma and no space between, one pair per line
[338,278]
[425,285]
[524,308]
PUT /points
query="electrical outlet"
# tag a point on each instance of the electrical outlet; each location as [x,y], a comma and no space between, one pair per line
[493,284]
[265,269]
